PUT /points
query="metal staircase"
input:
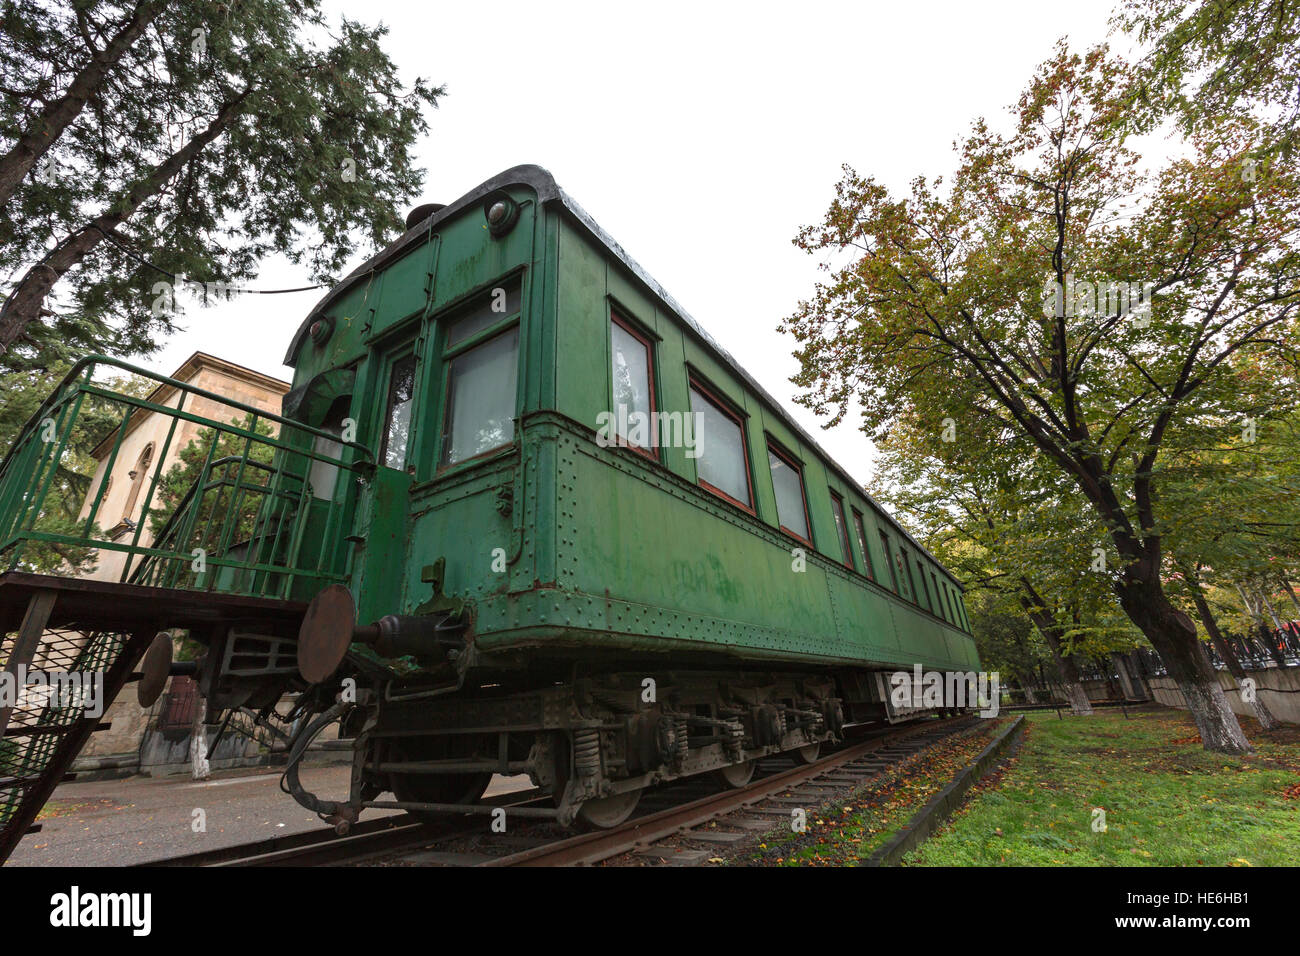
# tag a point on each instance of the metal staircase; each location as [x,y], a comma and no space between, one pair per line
[253,537]
[43,732]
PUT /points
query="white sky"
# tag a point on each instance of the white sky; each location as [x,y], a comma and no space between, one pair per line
[700,135]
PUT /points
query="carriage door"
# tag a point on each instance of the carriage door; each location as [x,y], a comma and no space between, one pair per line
[382,532]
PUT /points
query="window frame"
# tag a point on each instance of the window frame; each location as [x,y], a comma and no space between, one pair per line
[842,528]
[776,449]
[391,360]
[889,561]
[911,578]
[938,592]
[860,527]
[695,383]
[441,324]
[463,348]
[925,586]
[616,317]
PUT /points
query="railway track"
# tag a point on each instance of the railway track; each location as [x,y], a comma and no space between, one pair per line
[367,840]
[692,816]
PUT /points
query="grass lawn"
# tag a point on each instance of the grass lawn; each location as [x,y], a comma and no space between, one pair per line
[1167,802]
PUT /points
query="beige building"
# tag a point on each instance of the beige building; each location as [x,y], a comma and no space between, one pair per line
[146,436]
[127,487]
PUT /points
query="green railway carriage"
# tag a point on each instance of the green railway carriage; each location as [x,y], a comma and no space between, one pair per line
[546,526]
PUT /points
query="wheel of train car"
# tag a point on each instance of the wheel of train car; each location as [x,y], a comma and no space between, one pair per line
[805,755]
[608,812]
[736,775]
[435,787]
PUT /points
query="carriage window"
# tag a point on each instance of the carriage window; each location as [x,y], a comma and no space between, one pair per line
[890,559]
[633,377]
[906,564]
[495,305]
[925,586]
[323,475]
[862,544]
[787,482]
[842,528]
[938,596]
[481,398]
[397,421]
[722,464]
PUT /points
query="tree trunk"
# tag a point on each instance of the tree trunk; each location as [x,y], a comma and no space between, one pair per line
[1173,635]
[59,114]
[1295,601]
[1262,713]
[1065,666]
[26,303]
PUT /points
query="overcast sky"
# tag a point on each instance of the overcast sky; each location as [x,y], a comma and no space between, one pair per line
[700,135]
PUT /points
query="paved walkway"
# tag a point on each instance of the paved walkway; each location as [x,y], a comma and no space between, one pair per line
[120,822]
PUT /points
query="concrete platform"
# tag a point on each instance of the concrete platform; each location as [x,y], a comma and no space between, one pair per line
[121,822]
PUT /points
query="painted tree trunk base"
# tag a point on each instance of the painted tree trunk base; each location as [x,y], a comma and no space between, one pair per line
[1214,718]
[1080,705]
[200,766]
[1265,716]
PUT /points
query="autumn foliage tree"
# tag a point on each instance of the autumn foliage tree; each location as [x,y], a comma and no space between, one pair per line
[1095,308]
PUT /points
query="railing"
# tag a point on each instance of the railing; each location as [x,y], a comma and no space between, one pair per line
[253,504]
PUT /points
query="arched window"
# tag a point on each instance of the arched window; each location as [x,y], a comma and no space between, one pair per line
[137,476]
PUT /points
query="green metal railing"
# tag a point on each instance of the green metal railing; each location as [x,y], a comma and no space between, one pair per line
[262,515]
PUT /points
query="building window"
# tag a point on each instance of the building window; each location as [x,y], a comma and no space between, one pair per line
[397,418]
[633,387]
[723,462]
[842,529]
[137,476]
[481,398]
[787,482]
[862,544]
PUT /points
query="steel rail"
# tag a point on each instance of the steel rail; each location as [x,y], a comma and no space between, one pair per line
[323,847]
[588,848]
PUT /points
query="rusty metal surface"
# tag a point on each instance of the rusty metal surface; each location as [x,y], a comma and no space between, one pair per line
[155,668]
[325,633]
[113,606]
